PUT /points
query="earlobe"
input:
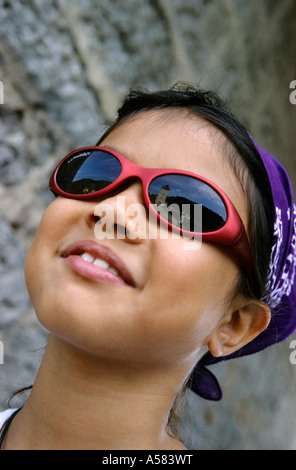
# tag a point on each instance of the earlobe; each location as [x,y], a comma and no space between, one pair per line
[239,328]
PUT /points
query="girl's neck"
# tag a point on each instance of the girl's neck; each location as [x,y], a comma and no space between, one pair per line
[78,402]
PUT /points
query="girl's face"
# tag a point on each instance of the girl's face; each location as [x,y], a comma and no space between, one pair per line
[175,296]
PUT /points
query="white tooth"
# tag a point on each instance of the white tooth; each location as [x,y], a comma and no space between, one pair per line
[100,263]
[87,257]
[114,271]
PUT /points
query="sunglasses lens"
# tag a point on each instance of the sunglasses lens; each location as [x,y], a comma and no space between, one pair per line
[175,197]
[88,171]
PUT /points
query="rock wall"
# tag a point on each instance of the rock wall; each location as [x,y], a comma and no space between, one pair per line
[65,65]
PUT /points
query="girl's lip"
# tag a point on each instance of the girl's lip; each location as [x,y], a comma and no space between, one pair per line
[72,253]
[92,272]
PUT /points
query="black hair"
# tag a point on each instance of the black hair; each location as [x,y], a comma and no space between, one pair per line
[245,161]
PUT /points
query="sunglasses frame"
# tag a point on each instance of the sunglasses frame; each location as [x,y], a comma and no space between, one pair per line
[232,234]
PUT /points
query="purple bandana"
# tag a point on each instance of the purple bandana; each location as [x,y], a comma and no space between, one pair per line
[281,283]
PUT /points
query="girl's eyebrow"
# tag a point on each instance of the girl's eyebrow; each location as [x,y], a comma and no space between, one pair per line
[114,149]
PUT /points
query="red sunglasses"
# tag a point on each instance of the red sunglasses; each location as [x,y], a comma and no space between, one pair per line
[92,172]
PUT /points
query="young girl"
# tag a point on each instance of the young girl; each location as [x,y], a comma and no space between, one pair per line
[137,304]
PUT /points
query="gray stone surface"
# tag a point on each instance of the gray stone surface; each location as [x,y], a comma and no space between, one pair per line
[65,65]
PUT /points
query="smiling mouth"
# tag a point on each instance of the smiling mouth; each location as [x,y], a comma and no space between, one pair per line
[97,262]
[100,263]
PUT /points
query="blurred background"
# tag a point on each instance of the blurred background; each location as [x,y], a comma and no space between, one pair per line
[65,65]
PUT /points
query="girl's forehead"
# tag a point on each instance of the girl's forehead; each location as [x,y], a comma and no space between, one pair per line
[163,137]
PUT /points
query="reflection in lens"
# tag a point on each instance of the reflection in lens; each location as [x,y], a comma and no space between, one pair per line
[177,195]
[87,172]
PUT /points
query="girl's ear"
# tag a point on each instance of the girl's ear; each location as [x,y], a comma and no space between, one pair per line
[239,327]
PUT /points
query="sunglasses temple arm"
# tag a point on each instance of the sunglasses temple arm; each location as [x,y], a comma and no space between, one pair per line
[242,252]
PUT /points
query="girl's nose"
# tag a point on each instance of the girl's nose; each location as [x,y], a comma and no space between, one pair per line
[122,215]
